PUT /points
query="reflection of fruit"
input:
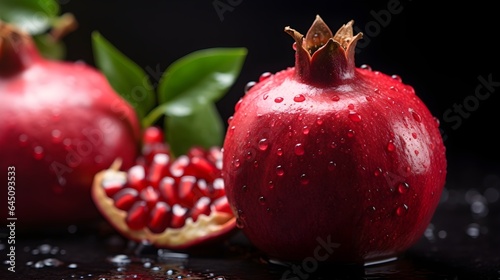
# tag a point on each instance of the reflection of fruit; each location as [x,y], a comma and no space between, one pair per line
[61,124]
[171,203]
[326,154]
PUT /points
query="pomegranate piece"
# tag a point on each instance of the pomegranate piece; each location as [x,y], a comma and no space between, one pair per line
[322,147]
[171,204]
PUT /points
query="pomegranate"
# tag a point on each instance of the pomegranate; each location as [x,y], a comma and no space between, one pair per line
[331,161]
[61,124]
[175,203]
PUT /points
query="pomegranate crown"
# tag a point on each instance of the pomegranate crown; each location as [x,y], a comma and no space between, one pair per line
[324,59]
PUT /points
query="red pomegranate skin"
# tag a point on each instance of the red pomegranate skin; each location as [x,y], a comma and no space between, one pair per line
[61,124]
[344,164]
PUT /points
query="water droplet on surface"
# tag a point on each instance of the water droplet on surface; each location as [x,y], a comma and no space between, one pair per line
[230,119]
[319,121]
[366,67]
[119,260]
[244,188]
[473,230]
[238,105]
[303,179]
[279,151]
[397,78]
[331,166]
[299,149]
[299,98]
[72,265]
[38,152]
[402,210]
[249,85]
[271,185]
[262,200]
[278,99]
[350,133]
[403,187]
[239,223]
[279,170]
[263,144]
[23,140]
[305,130]
[264,76]
[390,146]
[236,163]
[333,145]
[377,172]
[416,116]
[393,88]
[355,117]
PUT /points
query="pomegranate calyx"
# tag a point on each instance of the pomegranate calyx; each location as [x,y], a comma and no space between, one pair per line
[17,50]
[324,59]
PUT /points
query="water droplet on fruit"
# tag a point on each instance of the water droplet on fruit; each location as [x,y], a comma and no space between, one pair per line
[397,78]
[279,170]
[366,67]
[230,119]
[264,76]
[244,188]
[403,187]
[249,85]
[303,179]
[262,200]
[333,145]
[299,149]
[402,210]
[331,166]
[263,144]
[236,163]
[393,88]
[278,99]
[319,121]
[38,152]
[23,140]
[271,185]
[416,116]
[279,151]
[376,90]
[299,98]
[350,133]
[238,104]
[335,98]
[56,136]
[377,172]
[350,106]
[305,130]
[390,146]
[355,117]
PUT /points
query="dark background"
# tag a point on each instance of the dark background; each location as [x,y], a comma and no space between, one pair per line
[439,49]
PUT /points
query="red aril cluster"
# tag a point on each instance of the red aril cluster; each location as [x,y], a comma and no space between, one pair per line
[162,194]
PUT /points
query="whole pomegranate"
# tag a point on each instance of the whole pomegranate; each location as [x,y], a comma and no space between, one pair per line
[333,162]
[61,124]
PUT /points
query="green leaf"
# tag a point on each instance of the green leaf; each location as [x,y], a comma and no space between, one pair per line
[49,48]
[199,78]
[35,17]
[126,77]
[203,127]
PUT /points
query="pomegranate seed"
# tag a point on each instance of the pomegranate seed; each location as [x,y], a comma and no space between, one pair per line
[214,155]
[112,184]
[196,152]
[158,168]
[125,198]
[203,187]
[160,217]
[136,177]
[202,206]
[202,168]
[153,134]
[221,205]
[150,195]
[137,216]
[178,216]
[168,190]
[152,149]
[187,190]
[178,166]
[218,188]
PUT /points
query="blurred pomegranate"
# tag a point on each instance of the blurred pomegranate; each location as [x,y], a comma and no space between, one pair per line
[61,124]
